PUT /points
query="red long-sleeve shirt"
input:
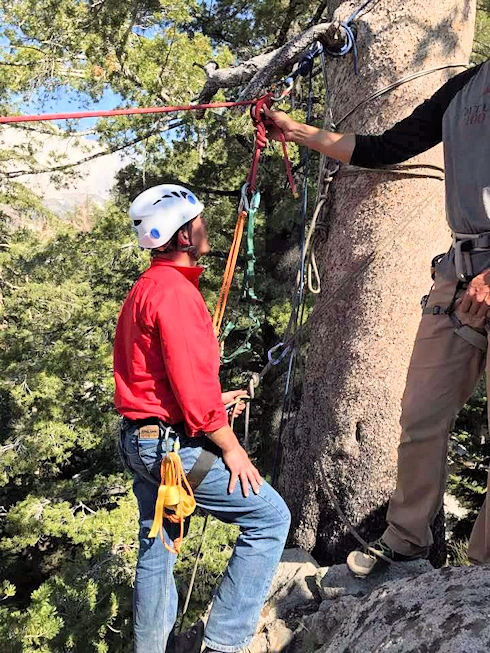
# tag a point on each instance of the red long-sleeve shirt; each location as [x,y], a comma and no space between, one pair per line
[166,356]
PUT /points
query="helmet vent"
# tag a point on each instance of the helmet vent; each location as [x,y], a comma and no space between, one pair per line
[162,198]
[136,223]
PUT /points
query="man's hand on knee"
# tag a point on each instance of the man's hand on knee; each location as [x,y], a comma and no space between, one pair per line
[241,467]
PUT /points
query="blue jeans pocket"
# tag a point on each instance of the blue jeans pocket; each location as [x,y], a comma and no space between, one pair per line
[150,453]
[121,449]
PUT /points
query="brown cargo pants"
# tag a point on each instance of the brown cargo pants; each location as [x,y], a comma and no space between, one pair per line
[443,372]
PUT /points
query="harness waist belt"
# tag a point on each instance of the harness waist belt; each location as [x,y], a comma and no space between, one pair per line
[463,245]
[206,458]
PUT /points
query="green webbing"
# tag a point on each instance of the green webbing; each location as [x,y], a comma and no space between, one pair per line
[249,277]
[248,292]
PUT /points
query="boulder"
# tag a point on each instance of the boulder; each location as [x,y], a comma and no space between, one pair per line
[403,608]
[443,611]
[338,580]
[294,593]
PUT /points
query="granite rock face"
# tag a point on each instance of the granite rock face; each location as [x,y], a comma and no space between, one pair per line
[405,608]
[443,611]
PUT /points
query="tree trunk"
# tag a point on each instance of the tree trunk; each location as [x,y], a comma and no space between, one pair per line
[383,230]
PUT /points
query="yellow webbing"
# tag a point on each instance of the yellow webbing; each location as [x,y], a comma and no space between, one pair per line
[174,495]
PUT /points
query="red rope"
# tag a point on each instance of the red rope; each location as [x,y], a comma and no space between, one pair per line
[124,112]
[261,125]
[256,113]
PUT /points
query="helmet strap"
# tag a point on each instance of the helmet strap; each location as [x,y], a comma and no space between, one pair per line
[190,249]
[173,244]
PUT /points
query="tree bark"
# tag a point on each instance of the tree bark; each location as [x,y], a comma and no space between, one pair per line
[383,231]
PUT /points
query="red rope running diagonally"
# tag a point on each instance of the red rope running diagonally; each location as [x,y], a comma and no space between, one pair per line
[256,113]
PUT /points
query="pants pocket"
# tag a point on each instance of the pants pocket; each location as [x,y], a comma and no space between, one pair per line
[121,450]
[150,453]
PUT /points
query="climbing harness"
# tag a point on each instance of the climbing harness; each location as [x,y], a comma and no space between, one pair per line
[198,473]
[463,245]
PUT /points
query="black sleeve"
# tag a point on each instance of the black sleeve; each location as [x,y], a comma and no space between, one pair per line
[415,134]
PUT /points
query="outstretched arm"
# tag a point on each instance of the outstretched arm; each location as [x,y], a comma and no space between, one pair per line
[420,131]
[336,146]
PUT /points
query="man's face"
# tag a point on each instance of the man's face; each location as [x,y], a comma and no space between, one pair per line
[200,235]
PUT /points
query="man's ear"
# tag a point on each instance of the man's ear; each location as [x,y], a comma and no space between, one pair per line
[183,237]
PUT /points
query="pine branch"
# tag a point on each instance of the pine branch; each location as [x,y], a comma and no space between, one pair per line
[258,73]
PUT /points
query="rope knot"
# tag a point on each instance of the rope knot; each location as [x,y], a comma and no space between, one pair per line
[261,124]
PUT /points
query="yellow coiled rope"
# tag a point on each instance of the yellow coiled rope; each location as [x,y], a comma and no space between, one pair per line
[175,500]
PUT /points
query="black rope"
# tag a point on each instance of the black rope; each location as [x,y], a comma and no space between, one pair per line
[394,85]
[297,312]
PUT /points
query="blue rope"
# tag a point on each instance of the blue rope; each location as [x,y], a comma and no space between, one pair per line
[350,37]
[305,65]
[298,304]
[347,47]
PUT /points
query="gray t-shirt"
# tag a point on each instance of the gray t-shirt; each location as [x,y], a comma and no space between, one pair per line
[466,138]
[459,115]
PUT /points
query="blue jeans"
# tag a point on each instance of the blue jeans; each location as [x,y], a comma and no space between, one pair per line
[264,523]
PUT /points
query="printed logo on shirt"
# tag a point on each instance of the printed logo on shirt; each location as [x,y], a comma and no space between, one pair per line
[475,114]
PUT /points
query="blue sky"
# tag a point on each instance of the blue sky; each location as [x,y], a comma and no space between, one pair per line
[65,100]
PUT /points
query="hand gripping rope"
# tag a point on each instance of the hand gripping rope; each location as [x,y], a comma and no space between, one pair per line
[246,206]
[261,124]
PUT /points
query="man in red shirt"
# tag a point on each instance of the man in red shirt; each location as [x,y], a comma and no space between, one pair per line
[166,369]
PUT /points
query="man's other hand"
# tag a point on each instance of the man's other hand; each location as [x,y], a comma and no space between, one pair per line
[231,396]
[473,307]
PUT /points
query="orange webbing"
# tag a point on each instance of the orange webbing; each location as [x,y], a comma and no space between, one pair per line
[174,494]
[219,311]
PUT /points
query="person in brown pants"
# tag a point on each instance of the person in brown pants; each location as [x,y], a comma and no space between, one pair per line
[447,361]
[450,348]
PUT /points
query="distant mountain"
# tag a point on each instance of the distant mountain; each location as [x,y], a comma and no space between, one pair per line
[94,179]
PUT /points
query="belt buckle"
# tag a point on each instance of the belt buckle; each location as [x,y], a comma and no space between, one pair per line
[462,260]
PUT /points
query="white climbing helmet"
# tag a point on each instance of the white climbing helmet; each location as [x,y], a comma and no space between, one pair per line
[159,212]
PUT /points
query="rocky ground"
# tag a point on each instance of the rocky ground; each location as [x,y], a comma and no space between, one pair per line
[404,608]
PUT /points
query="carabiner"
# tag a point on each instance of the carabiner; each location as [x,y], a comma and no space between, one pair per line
[272,359]
[330,171]
[244,203]
[288,84]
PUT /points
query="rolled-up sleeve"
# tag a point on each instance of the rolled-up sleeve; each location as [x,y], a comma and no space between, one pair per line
[191,357]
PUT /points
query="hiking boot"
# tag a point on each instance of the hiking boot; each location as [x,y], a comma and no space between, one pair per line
[189,641]
[362,563]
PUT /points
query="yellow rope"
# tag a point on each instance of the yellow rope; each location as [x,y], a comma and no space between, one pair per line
[175,500]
